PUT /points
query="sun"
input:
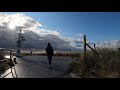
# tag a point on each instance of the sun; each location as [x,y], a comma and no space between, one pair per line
[12,26]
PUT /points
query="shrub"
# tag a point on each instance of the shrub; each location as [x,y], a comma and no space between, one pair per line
[107,64]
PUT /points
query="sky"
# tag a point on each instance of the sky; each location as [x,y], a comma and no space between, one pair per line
[101,25]
[71,26]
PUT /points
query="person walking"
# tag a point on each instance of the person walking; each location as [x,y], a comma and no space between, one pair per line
[50,52]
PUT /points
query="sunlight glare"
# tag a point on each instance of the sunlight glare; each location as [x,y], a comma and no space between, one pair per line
[11,26]
[7,56]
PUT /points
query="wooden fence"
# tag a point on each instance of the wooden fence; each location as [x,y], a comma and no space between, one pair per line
[85,44]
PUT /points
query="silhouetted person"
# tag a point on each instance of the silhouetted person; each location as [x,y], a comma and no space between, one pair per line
[31,52]
[50,52]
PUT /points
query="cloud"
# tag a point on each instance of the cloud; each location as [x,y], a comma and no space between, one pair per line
[34,32]
[112,44]
[80,34]
[78,40]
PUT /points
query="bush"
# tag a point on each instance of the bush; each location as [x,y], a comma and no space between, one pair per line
[107,64]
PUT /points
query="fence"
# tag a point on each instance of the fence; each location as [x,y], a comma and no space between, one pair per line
[11,64]
[85,44]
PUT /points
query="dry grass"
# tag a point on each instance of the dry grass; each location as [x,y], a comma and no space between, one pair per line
[106,65]
[56,54]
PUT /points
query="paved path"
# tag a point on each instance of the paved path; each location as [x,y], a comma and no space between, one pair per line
[37,67]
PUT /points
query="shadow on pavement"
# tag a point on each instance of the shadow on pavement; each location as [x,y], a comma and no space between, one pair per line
[54,66]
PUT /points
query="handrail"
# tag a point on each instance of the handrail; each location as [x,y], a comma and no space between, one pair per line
[9,67]
[11,72]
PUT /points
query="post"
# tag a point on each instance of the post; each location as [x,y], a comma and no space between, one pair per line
[94,46]
[70,52]
[92,49]
[10,55]
[84,46]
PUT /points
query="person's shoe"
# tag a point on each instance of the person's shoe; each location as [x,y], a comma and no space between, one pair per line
[49,66]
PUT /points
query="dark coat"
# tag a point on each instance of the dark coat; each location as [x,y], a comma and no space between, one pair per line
[49,51]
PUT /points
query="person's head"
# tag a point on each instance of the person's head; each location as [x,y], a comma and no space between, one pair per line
[49,44]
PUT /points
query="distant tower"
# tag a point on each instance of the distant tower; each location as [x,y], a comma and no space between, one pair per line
[20,39]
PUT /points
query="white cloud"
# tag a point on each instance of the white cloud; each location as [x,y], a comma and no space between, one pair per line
[18,19]
[36,37]
[78,40]
[46,32]
[110,44]
[80,34]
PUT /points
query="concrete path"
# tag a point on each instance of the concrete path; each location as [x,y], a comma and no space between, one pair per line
[37,67]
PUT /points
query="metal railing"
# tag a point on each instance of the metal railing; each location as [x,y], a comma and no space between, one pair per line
[12,66]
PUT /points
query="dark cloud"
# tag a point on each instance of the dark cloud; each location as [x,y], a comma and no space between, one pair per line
[36,38]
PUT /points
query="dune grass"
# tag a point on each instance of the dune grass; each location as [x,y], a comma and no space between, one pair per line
[106,65]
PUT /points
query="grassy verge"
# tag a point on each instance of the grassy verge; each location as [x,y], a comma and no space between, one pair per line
[106,65]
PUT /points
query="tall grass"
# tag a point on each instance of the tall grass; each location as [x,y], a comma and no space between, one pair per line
[106,65]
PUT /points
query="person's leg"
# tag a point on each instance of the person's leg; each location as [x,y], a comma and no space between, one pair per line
[49,62]
[49,58]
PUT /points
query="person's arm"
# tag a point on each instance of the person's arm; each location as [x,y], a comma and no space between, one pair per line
[46,50]
[52,51]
